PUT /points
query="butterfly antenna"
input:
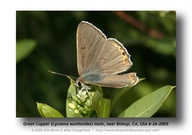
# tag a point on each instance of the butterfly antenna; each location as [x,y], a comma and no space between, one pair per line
[61,74]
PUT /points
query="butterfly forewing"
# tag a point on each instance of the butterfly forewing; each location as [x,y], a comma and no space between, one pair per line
[89,45]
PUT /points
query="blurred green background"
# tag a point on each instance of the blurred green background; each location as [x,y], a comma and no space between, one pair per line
[46,40]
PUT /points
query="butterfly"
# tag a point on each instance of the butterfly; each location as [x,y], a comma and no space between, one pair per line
[100,60]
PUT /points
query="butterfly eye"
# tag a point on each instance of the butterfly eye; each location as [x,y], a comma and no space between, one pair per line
[78,83]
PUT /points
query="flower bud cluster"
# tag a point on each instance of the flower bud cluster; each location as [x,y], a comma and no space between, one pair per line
[81,102]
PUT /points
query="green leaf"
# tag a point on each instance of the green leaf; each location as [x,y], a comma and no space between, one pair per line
[96,98]
[39,108]
[121,92]
[165,47]
[103,108]
[47,111]
[24,48]
[148,105]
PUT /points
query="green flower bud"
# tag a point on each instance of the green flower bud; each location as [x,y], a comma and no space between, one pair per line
[79,101]
[88,103]
[74,98]
[72,105]
[87,109]
[81,109]
[84,112]
[76,111]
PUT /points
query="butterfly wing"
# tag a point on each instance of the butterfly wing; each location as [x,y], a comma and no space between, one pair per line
[89,44]
[96,53]
[99,59]
[118,81]
[113,59]
[115,81]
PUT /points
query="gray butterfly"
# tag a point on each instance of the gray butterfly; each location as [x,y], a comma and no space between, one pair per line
[101,61]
